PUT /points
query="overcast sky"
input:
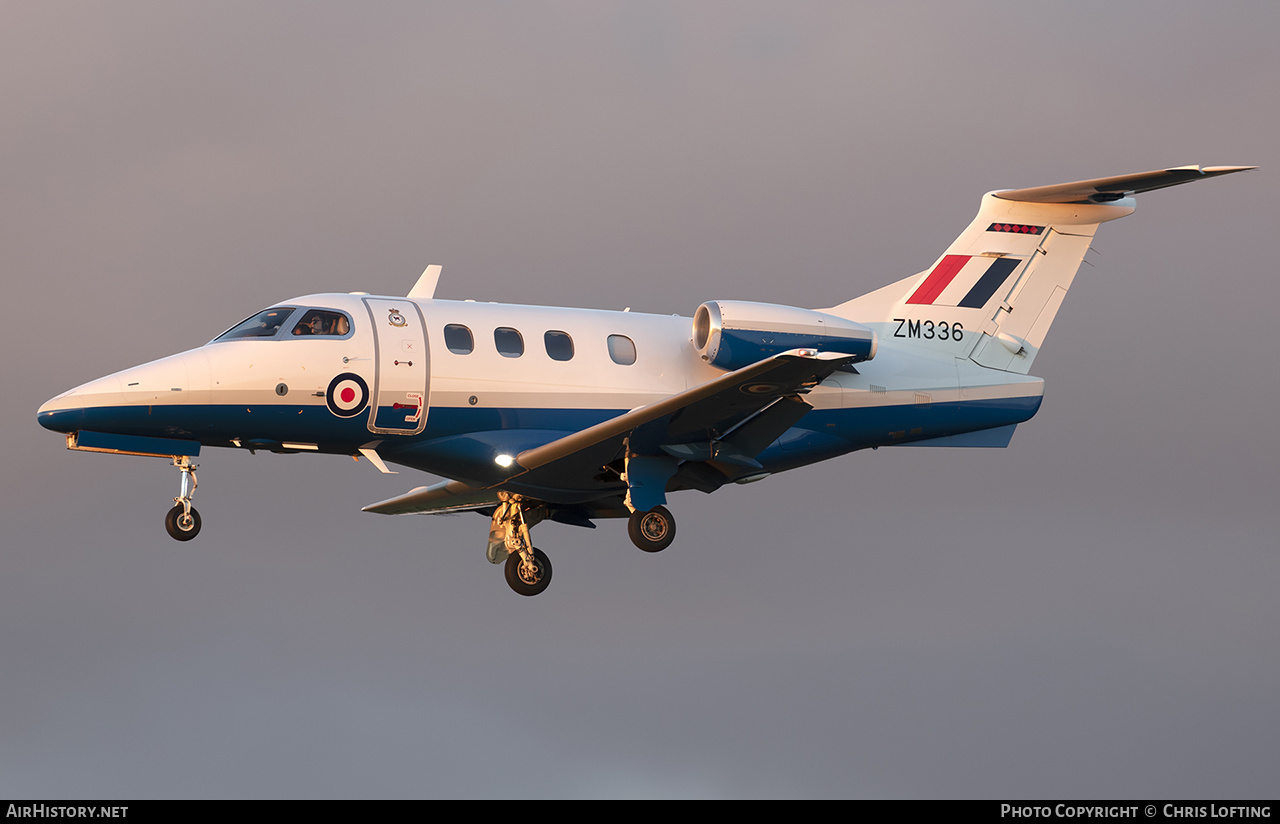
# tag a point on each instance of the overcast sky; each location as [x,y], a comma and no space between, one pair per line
[1088,613]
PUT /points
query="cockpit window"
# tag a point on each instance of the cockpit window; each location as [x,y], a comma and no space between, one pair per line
[262,325]
[323,322]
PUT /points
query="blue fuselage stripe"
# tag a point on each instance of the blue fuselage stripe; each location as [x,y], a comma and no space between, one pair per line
[823,433]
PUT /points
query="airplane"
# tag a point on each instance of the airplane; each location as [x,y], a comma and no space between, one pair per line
[534,413]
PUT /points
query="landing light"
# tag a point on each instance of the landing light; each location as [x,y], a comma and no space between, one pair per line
[504,460]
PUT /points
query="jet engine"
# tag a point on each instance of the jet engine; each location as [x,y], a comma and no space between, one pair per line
[731,334]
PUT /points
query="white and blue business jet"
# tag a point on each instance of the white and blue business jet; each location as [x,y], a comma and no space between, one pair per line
[573,415]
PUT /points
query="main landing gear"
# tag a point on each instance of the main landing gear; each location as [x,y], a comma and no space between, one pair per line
[528,573]
[527,568]
[183,522]
[650,525]
[652,531]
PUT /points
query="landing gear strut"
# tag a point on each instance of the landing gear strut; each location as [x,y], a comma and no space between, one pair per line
[650,526]
[528,571]
[183,522]
[652,531]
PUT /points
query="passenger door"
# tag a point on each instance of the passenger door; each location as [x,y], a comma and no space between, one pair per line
[402,379]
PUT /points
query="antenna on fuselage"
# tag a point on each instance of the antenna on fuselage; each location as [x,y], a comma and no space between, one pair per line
[426,286]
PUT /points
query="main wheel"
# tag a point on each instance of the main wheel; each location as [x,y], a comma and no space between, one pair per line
[652,531]
[528,579]
[179,526]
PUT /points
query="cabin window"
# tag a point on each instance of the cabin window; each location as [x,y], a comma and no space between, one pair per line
[321,322]
[265,324]
[559,345]
[457,338]
[510,342]
[622,349]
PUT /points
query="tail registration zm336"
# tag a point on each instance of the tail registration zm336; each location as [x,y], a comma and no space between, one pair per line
[575,415]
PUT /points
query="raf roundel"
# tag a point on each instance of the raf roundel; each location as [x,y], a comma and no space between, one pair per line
[347,395]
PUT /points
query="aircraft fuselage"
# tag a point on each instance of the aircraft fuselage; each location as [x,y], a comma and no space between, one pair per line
[448,386]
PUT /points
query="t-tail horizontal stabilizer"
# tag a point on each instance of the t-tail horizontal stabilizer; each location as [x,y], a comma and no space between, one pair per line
[1109,189]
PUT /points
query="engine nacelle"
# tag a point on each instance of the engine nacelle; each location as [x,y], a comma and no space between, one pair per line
[731,334]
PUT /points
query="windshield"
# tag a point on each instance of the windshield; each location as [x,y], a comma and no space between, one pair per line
[262,325]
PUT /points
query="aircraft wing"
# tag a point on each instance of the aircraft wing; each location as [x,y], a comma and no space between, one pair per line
[1106,189]
[696,416]
[444,497]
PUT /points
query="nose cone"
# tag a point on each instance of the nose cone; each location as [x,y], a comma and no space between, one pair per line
[66,412]
[100,405]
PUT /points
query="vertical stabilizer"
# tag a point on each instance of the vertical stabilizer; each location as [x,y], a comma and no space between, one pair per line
[995,291]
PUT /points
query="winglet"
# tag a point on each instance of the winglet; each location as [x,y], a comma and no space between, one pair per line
[425,288]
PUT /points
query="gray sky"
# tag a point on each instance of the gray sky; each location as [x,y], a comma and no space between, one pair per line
[1089,613]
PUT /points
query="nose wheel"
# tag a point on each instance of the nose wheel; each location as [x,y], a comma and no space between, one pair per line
[183,522]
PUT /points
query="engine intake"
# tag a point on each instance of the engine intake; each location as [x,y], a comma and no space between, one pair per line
[731,334]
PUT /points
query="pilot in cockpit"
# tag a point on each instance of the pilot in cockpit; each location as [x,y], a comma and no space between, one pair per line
[316,322]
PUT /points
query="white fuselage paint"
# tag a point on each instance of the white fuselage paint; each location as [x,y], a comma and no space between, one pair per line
[293,371]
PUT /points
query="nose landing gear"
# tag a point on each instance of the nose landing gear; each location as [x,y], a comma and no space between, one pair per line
[183,521]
